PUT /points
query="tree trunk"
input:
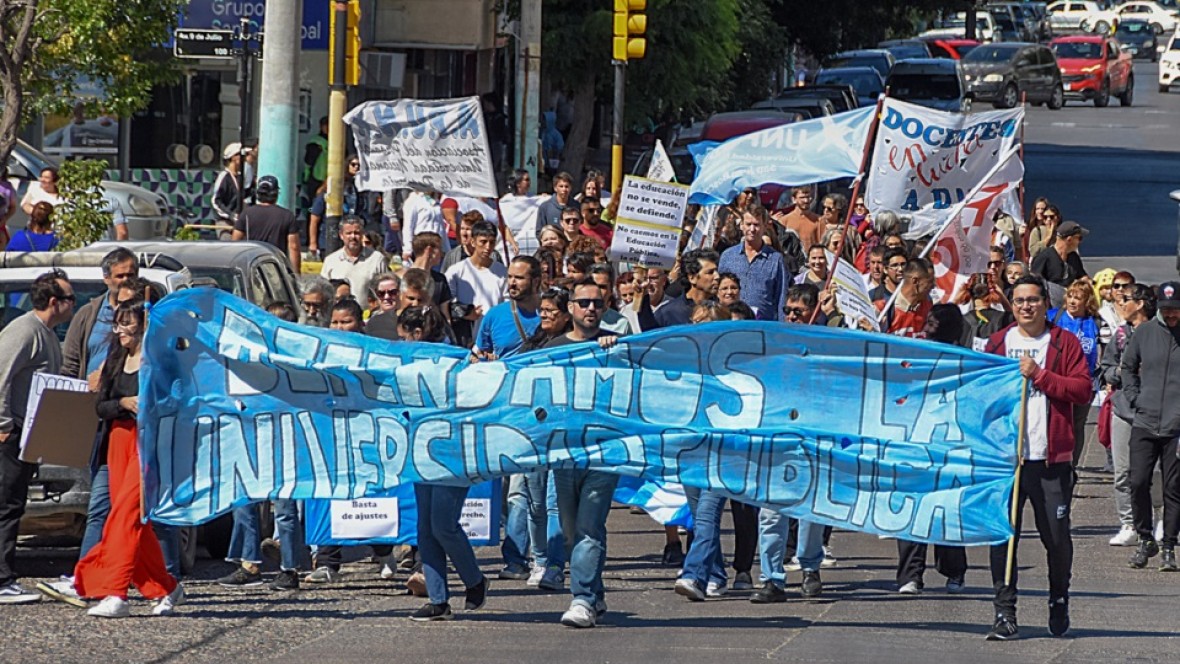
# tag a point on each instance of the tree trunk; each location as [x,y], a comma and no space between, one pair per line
[573,157]
[10,115]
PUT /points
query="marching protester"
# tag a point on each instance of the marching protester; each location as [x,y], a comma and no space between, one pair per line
[1053,363]
[1059,263]
[354,262]
[38,235]
[1151,385]
[906,315]
[757,265]
[1079,315]
[269,222]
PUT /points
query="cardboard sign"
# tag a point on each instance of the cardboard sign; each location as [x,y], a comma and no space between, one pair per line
[364,518]
[51,438]
[647,229]
[852,295]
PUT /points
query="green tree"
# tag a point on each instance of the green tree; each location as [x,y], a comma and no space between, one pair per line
[824,28]
[83,217]
[47,47]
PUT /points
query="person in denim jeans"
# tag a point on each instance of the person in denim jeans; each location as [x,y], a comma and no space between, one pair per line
[545,533]
[773,533]
[704,565]
[245,547]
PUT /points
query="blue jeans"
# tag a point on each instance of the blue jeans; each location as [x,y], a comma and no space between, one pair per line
[245,542]
[96,519]
[704,562]
[545,536]
[515,547]
[772,541]
[583,501]
[440,537]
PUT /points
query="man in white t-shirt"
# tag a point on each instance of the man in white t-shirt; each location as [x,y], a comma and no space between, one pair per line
[422,213]
[1052,362]
[476,283]
[354,261]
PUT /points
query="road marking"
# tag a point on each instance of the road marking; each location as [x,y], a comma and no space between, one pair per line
[1063,124]
[1155,111]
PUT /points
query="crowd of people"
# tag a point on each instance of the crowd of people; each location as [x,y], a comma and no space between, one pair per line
[447,271]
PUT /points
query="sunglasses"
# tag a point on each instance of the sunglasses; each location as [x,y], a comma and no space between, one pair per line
[1049,216]
[387,293]
[354,164]
[1122,285]
[594,210]
[829,208]
[995,263]
[795,311]
[67,298]
[587,302]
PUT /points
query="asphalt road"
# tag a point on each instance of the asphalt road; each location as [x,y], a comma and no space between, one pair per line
[1118,613]
[1111,169]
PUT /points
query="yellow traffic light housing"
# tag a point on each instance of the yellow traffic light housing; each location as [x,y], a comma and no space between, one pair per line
[629,27]
[352,44]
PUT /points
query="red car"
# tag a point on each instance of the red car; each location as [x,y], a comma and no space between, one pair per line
[1094,68]
[954,49]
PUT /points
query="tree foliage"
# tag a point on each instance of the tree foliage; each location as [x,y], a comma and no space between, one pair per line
[48,48]
[83,218]
[830,26]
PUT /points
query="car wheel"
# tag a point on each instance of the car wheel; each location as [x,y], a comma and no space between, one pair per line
[1163,89]
[1157,28]
[1009,98]
[1101,27]
[1103,97]
[1057,101]
[1128,95]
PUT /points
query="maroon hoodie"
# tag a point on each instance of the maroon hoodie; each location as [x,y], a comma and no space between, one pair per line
[1065,380]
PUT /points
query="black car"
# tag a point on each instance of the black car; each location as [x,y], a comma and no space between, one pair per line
[905,49]
[1001,73]
[1139,38]
[877,58]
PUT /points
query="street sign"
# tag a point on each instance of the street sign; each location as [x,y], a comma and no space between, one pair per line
[191,43]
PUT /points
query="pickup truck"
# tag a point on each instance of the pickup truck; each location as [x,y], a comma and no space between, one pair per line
[1094,68]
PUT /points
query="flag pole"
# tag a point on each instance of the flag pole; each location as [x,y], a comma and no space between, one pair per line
[955,212]
[861,173]
[1013,514]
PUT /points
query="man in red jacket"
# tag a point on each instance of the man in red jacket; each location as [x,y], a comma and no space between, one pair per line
[1053,363]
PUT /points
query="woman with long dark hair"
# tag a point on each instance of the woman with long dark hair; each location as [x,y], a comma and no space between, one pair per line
[38,235]
[129,553]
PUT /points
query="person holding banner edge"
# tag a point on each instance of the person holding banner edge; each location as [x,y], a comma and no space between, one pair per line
[1052,361]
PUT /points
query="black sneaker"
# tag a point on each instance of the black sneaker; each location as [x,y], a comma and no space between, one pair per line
[1147,550]
[430,612]
[287,579]
[673,555]
[1058,616]
[769,593]
[241,578]
[1004,629]
[477,595]
[811,587]
[1168,560]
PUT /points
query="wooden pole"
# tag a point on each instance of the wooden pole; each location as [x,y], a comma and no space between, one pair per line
[1014,514]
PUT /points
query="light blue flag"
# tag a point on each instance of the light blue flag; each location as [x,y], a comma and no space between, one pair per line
[664,503]
[826,148]
[867,432]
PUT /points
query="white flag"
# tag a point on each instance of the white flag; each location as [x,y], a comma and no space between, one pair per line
[660,167]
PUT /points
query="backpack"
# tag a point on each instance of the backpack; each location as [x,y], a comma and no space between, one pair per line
[793,257]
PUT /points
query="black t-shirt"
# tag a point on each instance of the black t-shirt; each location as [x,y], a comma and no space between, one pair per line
[1049,266]
[564,340]
[267,223]
[382,326]
[439,290]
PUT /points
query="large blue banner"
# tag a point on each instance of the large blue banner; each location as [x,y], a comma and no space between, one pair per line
[867,432]
[826,148]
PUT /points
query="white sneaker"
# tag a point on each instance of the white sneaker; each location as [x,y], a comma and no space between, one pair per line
[13,593]
[1125,537]
[792,565]
[689,588]
[579,615]
[387,572]
[714,589]
[829,559]
[1159,531]
[62,591]
[166,605]
[535,576]
[911,588]
[111,607]
[552,578]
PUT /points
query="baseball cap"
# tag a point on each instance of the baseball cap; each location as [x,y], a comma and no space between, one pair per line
[1169,295]
[1071,228]
[449,204]
[268,185]
[230,150]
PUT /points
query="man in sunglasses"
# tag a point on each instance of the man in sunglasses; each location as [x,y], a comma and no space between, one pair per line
[1060,263]
[1052,361]
[383,321]
[592,224]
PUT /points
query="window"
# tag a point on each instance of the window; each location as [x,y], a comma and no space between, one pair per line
[275,285]
[14,301]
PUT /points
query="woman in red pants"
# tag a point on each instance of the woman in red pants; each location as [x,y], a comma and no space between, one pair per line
[129,553]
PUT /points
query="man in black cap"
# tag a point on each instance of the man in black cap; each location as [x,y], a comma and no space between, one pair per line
[1060,263]
[268,222]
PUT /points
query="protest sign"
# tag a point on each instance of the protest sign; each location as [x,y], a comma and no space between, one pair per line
[826,148]
[925,161]
[647,227]
[49,438]
[704,233]
[245,407]
[852,294]
[391,517]
[427,145]
[660,169]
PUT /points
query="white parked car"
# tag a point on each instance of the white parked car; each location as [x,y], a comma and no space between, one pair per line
[1169,72]
[1161,19]
[1083,15]
[955,25]
[147,213]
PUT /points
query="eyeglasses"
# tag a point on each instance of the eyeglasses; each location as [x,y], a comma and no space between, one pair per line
[829,208]
[387,293]
[797,312]
[1049,215]
[1117,286]
[896,266]
[354,164]
[594,210]
[67,298]
[1030,301]
[995,263]
[570,220]
[587,302]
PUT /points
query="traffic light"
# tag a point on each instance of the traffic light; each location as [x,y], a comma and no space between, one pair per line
[629,27]
[352,43]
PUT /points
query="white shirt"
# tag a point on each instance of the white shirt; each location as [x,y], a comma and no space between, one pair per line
[35,194]
[479,286]
[358,271]
[420,214]
[1036,424]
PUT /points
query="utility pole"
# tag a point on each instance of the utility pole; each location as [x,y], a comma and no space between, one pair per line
[243,105]
[344,70]
[528,89]
[628,44]
[279,122]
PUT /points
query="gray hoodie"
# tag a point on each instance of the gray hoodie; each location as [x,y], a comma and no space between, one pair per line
[1151,378]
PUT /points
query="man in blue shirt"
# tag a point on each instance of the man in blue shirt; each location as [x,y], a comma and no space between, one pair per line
[760,268]
[503,330]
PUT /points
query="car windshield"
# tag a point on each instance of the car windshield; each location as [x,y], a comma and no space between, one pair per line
[1136,29]
[1004,22]
[228,279]
[989,53]
[905,51]
[924,86]
[37,161]
[1175,45]
[16,301]
[1078,50]
[864,83]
